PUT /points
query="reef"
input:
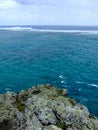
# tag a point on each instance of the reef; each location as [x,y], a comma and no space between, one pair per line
[44,107]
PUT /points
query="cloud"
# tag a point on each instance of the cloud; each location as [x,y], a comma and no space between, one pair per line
[36,2]
[63,12]
[7,4]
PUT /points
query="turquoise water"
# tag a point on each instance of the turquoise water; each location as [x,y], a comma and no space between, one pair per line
[67,60]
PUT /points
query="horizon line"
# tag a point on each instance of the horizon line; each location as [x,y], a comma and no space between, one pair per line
[50,25]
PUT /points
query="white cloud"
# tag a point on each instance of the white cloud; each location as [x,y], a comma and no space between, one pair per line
[8,4]
[49,12]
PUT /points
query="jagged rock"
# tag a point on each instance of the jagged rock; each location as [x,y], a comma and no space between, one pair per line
[52,127]
[1,100]
[46,116]
[33,123]
[10,99]
[76,116]
[44,108]
[72,129]
[64,92]
[6,124]
[22,96]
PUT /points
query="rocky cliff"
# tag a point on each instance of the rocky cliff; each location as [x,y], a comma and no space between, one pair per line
[44,108]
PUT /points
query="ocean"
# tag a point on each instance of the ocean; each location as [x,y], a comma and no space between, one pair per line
[65,56]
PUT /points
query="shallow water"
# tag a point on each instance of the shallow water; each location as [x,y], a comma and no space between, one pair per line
[67,60]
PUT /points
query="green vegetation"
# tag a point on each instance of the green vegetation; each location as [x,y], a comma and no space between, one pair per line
[60,125]
[20,106]
[59,91]
[72,101]
[15,115]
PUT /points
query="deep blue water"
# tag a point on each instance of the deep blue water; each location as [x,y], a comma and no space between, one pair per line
[67,60]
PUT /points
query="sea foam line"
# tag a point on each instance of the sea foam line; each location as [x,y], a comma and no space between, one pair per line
[16,28]
[94,85]
[83,32]
[79,82]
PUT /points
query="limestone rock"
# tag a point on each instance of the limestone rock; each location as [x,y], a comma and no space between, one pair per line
[44,108]
[2,100]
[46,116]
[52,127]
[64,92]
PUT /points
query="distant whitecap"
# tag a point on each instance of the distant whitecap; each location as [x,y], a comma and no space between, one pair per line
[79,89]
[82,32]
[17,28]
[61,76]
[7,89]
[94,85]
[78,82]
[62,81]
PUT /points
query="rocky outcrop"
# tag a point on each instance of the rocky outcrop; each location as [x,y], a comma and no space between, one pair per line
[44,108]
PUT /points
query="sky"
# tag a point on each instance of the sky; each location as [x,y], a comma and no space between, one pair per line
[49,12]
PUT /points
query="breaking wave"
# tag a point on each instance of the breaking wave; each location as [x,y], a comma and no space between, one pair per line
[16,28]
[83,32]
[93,85]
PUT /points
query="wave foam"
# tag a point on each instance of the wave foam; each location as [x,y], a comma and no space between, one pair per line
[79,89]
[61,76]
[8,89]
[83,32]
[94,85]
[78,82]
[17,28]
[63,82]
